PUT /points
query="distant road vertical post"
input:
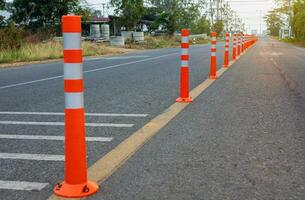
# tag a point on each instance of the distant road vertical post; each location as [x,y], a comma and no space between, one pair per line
[246,42]
[213,66]
[227,46]
[242,43]
[184,69]
[234,47]
[239,43]
[75,184]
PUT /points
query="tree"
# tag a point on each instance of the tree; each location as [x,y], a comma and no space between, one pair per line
[152,14]
[200,26]
[130,12]
[176,14]
[292,12]
[41,13]
[218,27]
[274,22]
[2,6]
[190,14]
[298,19]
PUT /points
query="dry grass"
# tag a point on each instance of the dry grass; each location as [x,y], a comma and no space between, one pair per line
[33,52]
[155,42]
[53,50]
[297,42]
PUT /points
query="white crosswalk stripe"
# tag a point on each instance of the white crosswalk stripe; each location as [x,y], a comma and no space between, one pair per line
[21,119]
[21,185]
[37,157]
[62,124]
[87,114]
[55,138]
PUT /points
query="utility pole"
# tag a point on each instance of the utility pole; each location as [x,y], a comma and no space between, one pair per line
[290,16]
[221,10]
[217,7]
[235,22]
[211,12]
[104,6]
[260,21]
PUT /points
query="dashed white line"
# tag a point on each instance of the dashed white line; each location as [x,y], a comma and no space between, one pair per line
[62,124]
[115,115]
[87,114]
[116,58]
[88,71]
[21,185]
[48,137]
[36,157]
[30,82]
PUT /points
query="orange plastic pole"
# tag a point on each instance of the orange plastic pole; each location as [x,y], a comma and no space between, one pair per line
[238,46]
[213,66]
[184,69]
[242,43]
[245,42]
[76,184]
[234,47]
[227,51]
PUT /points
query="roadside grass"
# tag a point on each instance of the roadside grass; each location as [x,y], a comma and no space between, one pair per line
[155,42]
[297,42]
[42,51]
[52,50]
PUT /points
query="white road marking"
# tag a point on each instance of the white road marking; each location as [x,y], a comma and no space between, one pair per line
[128,63]
[20,185]
[48,137]
[87,114]
[36,157]
[62,124]
[88,71]
[117,58]
[30,82]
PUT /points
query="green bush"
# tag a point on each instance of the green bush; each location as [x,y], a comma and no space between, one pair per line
[11,38]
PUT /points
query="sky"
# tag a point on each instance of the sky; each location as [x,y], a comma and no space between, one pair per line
[251,11]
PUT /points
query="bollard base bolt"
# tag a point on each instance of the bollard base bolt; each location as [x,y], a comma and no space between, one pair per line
[213,77]
[76,190]
[184,100]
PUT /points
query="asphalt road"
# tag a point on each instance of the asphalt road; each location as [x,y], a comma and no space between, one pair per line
[243,138]
[144,82]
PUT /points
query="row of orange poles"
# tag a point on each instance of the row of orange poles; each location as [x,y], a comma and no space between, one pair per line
[241,42]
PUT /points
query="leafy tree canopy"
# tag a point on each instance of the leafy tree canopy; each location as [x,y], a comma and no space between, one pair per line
[130,12]
[273,22]
[298,19]
[41,13]
[176,14]
[2,4]
[218,27]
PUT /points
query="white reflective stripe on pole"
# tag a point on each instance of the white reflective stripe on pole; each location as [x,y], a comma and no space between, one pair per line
[184,51]
[184,63]
[73,71]
[74,100]
[185,39]
[72,41]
